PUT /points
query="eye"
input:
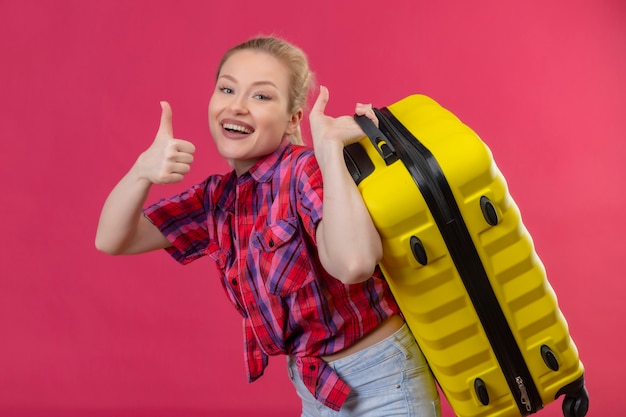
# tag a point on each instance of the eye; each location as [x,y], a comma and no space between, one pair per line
[226,90]
[261,96]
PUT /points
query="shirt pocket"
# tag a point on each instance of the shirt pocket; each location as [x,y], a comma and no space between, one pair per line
[283,259]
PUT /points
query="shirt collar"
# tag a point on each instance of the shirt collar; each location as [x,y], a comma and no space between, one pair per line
[261,171]
[264,169]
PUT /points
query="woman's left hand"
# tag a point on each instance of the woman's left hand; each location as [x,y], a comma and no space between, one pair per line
[348,244]
[343,129]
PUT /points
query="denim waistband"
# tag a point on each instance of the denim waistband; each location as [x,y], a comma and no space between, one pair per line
[400,340]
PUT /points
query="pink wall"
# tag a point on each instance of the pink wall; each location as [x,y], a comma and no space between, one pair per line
[82,333]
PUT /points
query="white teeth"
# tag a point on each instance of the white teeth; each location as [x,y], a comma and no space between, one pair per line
[230,126]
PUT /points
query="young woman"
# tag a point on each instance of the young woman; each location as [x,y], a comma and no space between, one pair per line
[301,273]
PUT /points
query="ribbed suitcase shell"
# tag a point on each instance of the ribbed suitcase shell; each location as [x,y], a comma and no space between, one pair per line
[433,297]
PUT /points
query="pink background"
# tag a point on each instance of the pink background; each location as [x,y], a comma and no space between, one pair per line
[85,334]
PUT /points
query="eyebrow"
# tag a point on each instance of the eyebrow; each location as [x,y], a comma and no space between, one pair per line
[256,83]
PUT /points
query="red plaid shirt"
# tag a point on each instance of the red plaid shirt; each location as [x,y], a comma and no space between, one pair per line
[260,230]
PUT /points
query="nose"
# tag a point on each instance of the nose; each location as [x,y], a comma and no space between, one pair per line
[238,104]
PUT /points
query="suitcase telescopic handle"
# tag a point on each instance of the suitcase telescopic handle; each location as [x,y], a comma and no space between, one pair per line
[378,138]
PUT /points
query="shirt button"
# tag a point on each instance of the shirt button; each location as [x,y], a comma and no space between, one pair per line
[312,367]
[234,281]
[271,243]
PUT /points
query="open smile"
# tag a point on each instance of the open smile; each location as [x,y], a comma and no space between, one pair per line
[237,128]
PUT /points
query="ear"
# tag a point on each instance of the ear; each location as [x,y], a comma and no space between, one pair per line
[294,122]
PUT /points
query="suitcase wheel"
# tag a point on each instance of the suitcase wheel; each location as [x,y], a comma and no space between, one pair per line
[418,250]
[489,211]
[576,405]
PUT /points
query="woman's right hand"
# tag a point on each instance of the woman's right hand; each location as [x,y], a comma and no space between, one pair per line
[168,159]
[122,228]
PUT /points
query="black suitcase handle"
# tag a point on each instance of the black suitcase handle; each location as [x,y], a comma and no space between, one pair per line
[378,138]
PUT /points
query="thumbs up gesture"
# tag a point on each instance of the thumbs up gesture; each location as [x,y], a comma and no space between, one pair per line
[342,129]
[168,159]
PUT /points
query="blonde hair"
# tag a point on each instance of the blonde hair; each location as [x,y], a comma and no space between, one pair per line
[301,77]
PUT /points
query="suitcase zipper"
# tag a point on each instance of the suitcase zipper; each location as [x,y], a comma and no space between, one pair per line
[523,394]
[436,191]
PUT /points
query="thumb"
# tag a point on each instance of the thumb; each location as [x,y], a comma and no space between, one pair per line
[165,126]
[321,101]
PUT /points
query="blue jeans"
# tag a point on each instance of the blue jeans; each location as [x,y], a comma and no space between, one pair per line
[390,378]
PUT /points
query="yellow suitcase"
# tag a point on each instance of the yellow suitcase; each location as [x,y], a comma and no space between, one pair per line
[462,266]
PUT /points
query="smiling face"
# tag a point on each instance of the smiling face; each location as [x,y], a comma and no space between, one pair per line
[248,114]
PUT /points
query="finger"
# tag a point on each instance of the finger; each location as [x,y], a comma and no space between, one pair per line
[165,126]
[367,111]
[171,178]
[364,109]
[184,158]
[320,103]
[181,168]
[185,146]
